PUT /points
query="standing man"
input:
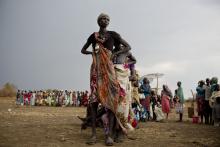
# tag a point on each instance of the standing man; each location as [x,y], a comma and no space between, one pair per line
[181,100]
[208,109]
[105,88]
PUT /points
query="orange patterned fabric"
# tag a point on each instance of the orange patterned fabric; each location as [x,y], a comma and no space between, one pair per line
[104,85]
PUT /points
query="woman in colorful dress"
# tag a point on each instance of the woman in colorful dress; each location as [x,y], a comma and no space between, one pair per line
[145,88]
[74,99]
[33,97]
[200,99]
[166,95]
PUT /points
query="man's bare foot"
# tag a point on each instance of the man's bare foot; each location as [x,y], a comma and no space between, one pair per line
[108,141]
[91,140]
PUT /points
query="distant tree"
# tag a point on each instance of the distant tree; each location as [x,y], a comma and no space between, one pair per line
[8,90]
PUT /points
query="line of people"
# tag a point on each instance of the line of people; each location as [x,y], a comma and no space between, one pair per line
[148,105]
[207,98]
[52,98]
[115,90]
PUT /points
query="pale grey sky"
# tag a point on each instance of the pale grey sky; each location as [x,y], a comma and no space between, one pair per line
[41,40]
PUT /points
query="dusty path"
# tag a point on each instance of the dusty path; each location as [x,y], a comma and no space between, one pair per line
[59,127]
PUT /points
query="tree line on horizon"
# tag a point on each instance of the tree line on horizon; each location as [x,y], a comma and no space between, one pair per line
[8,90]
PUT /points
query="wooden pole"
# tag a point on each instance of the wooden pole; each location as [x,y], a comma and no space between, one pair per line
[157,84]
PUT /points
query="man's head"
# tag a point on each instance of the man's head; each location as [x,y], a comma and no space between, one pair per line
[103,20]
[179,84]
[146,81]
[152,92]
[214,80]
[164,87]
[201,83]
[207,81]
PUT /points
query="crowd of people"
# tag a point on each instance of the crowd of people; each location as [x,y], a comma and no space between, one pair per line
[146,104]
[52,98]
[117,100]
[207,98]
[149,105]
[158,106]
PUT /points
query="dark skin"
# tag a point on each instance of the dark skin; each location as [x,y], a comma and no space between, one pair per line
[124,57]
[132,60]
[103,22]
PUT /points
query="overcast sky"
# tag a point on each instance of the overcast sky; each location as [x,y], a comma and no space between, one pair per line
[41,40]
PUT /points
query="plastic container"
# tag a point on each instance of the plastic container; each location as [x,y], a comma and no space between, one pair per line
[195,119]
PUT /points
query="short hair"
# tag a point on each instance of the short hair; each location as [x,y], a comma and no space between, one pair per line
[101,16]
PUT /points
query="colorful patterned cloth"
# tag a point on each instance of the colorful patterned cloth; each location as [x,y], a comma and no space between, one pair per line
[200,105]
[165,102]
[105,87]
[122,74]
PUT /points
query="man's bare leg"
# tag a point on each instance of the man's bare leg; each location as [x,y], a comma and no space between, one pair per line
[108,123]
[94,107]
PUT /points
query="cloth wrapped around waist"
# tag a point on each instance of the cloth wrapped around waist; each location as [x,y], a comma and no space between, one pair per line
[122,74]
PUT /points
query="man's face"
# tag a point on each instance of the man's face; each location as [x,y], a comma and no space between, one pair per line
[104,21]
[207,81]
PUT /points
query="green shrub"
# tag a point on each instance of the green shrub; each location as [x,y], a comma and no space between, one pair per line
[8,90]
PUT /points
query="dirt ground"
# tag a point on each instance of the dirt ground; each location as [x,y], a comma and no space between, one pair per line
[25,126]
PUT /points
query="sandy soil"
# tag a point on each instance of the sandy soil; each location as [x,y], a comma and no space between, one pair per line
[59,127]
